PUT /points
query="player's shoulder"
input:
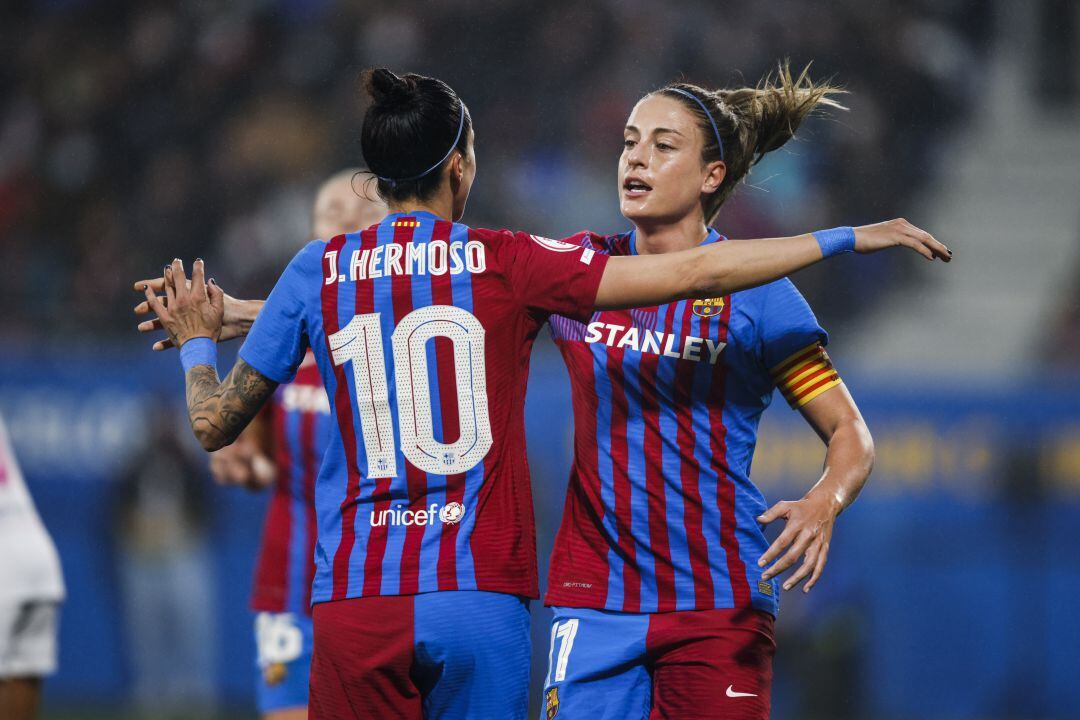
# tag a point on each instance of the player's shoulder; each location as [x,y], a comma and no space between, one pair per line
[313,252]
[778,290]
[609,244]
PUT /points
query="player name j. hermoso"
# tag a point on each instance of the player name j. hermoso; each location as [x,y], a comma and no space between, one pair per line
[437,257]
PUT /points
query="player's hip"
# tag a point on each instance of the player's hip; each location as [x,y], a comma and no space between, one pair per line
[687,664]
[599,567]
[441,654]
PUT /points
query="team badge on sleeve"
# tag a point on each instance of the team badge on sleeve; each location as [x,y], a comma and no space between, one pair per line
[555,245]
[560,246]
[552,699]
[708,308]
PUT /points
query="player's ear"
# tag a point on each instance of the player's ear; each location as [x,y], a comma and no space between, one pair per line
[457,165]
[714,177]
[455,171]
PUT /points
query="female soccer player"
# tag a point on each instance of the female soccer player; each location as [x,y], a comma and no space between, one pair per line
[663,584]
[426,551]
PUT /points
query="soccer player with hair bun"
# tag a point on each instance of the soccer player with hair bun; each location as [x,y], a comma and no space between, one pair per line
[663,585]
[422,329]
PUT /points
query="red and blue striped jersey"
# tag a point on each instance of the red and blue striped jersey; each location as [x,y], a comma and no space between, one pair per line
[422,331]
[300,427]
[660,510]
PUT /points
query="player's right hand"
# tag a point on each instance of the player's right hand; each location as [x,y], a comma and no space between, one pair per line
[232,326]
[899,232]
[191,309]
[242,464]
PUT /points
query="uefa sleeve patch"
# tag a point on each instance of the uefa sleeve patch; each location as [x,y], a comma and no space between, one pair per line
[805,375]
[554,245]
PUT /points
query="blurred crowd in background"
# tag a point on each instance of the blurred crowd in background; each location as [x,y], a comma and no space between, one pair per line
[133,132]
[200,129]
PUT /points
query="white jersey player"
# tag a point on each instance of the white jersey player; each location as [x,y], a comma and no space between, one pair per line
[31,589]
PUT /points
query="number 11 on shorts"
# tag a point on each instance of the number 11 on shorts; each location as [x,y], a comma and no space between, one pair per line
[562,634]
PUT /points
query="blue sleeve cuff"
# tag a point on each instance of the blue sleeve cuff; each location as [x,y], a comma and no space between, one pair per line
[836,241]
[198,351]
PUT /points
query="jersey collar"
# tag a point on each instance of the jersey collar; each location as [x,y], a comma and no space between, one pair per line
[418,214]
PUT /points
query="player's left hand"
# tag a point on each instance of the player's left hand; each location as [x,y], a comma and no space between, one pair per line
[807,531]
[242,464]
[192,309]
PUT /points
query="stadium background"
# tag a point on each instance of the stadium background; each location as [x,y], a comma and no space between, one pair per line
[131,132]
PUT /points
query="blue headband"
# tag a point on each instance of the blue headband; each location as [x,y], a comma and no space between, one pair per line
[461,126]
[708,114]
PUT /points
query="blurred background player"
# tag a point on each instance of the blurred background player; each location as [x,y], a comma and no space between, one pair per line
[31,590]
[283,447]
[343,297]
[660,600]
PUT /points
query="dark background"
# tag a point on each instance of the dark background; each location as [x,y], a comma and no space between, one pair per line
[131,133]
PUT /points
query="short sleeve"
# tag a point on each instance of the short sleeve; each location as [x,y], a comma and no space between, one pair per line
[554,277]
[276,344]
[793,345]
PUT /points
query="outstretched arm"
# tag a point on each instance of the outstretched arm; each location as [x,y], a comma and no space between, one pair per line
[192,316]
[722,268]
[809,522]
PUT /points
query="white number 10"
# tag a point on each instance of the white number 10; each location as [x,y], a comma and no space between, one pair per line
[361,341]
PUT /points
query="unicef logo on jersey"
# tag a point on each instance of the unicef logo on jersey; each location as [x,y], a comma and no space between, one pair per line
[451,513]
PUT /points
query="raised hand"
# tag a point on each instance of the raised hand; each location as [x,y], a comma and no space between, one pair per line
[190,309]
[236,321]
[899,232]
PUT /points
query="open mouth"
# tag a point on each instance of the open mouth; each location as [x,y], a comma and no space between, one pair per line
[635,188]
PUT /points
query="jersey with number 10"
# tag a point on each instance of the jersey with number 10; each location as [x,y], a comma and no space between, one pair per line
[422,331]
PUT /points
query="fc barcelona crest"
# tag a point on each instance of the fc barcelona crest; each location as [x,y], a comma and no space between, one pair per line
[709,307]
[552,703]
[275,673]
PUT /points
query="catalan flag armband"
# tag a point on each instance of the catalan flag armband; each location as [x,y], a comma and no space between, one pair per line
[805,375]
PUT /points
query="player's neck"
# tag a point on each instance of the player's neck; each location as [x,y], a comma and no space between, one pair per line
[442,207]
[654,239]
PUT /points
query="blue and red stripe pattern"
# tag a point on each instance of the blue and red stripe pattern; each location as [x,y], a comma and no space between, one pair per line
[421,331]
[299,417]
[660,512]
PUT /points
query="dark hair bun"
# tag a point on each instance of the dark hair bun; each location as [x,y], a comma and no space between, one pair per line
[411,126]
[385,87]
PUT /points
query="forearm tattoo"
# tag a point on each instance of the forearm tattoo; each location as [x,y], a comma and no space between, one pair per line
[220,411]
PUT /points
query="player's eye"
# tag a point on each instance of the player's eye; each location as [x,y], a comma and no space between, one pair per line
[628,143]
[664,146]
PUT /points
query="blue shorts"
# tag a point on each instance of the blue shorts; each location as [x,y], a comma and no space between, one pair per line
[283,642]
[605,665]
[451,654]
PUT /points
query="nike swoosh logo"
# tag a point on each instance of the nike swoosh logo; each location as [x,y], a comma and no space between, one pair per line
[732,693]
